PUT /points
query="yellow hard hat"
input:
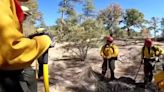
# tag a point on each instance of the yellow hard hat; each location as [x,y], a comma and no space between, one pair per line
[159,79]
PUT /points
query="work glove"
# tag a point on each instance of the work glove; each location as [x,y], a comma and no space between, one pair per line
[157,59]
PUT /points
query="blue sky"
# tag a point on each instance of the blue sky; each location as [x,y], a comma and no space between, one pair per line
[150,8]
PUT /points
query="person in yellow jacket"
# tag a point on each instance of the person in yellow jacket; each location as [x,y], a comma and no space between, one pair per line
[109,52]
[17,52]
[150,54]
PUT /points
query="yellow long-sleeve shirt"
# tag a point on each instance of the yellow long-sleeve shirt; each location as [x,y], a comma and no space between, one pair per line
[16,51]
[109,51]
[150,53]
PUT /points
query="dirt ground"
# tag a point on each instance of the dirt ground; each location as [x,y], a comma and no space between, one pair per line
[64,72]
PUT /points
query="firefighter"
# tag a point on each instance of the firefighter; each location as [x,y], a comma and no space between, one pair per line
[150,53]
[17,51]
[109,52]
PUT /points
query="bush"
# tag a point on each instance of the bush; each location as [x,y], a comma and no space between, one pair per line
[81,41]
[82,37]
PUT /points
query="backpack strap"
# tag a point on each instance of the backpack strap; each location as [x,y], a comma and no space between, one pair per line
[112,48]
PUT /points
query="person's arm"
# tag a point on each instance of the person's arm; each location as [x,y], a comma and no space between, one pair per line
[159,51]
[17,51]
[102,52]
[116,51]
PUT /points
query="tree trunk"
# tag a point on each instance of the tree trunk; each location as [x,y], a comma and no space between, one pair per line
[154,34]
[128,32]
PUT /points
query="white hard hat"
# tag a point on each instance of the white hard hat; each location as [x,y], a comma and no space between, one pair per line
[26,10]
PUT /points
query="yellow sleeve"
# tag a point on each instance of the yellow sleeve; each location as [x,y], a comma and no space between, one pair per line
[160,51]
[101,52]
[16,51]
[116,51]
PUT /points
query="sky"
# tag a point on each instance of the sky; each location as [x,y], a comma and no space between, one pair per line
[149,8]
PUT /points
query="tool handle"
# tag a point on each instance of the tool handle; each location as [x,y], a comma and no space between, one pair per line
[44,58]
[45,71]
[46,77]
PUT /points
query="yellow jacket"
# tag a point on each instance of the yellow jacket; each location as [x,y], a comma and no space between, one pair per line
[159,79]
[16,51]
[109,51]
[150,54]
